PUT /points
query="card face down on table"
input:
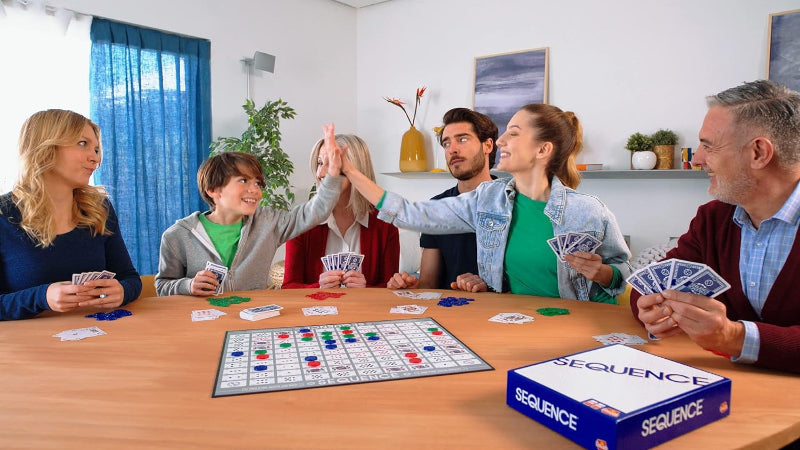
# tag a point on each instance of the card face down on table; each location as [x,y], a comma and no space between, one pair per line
[618,397]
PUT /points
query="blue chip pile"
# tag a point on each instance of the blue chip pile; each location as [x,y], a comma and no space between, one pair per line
[113,315]
[455,301]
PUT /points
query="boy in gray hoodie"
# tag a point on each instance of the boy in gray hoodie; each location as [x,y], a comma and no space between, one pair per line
[236,232]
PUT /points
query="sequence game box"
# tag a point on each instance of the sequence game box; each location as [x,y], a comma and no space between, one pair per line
[618,397]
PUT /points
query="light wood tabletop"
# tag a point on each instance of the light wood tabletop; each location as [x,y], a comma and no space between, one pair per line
[147,383]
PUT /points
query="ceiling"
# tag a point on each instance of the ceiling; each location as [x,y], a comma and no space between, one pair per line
[360,3]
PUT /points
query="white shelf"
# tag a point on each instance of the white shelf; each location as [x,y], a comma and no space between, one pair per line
[673,174]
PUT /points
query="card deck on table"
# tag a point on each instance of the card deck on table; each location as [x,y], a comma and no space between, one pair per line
[206,314]
[79,333]
[408,309]
[567,243]
[260,312]
[220,272]
[680,275]
[321,311]
[418,295]
[619,338]
[511,318]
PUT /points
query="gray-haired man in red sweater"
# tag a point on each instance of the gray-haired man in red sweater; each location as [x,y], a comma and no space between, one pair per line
[750,148]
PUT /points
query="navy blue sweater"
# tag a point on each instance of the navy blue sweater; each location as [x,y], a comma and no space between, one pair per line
[26,271]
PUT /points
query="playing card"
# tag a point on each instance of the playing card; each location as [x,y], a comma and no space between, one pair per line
[638,284]
[79,333]
[516,318]
[553,243]
[619,338]
[320,311]
[583,243]
[570,240]
[683,270]
[354,262]
[649,279]
[662,272]
[706,282]
[206,314]
[408,309]
[220,272]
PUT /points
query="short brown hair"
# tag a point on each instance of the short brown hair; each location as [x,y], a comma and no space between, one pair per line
[219,169]
[482,125]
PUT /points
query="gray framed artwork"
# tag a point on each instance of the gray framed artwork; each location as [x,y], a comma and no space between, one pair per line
[783,50]
[506,82]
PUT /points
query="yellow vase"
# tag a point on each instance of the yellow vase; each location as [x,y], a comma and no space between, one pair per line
[412,152]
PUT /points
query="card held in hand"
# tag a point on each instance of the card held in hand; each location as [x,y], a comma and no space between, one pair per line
[220,272]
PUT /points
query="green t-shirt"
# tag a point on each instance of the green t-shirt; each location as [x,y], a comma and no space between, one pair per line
[530,264]
[224,237]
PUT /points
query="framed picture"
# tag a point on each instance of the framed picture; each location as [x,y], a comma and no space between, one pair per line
[783,50]
[506,82]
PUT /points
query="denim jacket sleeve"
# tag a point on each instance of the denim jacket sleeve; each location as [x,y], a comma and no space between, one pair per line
[444,216]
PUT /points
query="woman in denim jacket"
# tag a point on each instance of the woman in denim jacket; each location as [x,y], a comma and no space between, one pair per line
[514,218]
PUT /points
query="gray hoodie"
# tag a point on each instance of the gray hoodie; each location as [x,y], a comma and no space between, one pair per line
[186,247]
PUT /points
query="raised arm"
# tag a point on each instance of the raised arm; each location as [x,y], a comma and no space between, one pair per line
[371,191]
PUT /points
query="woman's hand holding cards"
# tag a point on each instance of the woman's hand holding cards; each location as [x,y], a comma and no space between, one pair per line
[105,293]
[591,266]
[354,279]
[331,279]
[204,284]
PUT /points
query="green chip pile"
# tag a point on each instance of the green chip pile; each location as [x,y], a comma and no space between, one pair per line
[227,301]
[552,311]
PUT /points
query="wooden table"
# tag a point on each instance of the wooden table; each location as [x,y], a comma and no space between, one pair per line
[148,382]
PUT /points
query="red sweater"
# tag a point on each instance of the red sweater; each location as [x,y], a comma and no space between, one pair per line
[714,239]
[380,244]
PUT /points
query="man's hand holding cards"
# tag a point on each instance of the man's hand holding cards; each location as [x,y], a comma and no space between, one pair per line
[679,275]
[342,270]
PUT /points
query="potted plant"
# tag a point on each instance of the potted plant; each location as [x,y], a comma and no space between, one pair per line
[642,156]
[664,142]
[262,139]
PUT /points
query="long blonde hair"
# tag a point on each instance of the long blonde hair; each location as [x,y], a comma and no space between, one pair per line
[39,140]
[358,152]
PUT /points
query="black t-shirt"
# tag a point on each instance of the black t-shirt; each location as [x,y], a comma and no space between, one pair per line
[459,251]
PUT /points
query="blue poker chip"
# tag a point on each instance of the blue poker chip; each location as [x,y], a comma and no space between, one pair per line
[311,358]
[237,354]
[429,348]
[330,341]
[373,338]
[304,330]
[453,301]
[350,340]
[331,347]
[259,368]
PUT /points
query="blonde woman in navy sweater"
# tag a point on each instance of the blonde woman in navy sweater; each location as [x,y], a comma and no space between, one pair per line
[53,224]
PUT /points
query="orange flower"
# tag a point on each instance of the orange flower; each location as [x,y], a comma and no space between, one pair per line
[400,103]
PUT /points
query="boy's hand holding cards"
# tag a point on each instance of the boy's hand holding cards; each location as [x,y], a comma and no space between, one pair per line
[677,274]
[568,243]
[220,272]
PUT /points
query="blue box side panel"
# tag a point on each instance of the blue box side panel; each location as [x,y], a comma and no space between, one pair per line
[716,405]
[591,426]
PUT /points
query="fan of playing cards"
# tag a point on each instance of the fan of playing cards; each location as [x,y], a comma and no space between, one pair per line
[568,243]
[679,275]
[345,261]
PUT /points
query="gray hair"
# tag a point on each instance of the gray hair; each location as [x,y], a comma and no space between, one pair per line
[769,108]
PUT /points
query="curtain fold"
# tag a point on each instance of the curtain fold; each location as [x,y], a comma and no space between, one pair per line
[151,97]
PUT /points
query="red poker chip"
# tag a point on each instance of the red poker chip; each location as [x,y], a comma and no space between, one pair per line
[436,333]
[262,356]
[313,363]
[410,355]
[415,360]
[323,295]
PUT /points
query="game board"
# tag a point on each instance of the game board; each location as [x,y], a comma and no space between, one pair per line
[277,359]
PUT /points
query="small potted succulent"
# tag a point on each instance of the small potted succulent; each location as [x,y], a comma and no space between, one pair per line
[664,142]
[641,147]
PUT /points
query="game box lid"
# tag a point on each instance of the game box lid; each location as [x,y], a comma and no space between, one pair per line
[618,397]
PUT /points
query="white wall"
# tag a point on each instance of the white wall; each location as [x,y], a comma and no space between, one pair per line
[315,70]
[621,65]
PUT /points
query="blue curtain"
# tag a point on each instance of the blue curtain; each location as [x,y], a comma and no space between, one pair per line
[151,97]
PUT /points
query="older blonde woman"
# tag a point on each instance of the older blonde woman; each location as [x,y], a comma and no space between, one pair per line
[352,227]
[53,224]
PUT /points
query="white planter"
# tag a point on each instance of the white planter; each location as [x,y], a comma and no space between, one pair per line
[644,160]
